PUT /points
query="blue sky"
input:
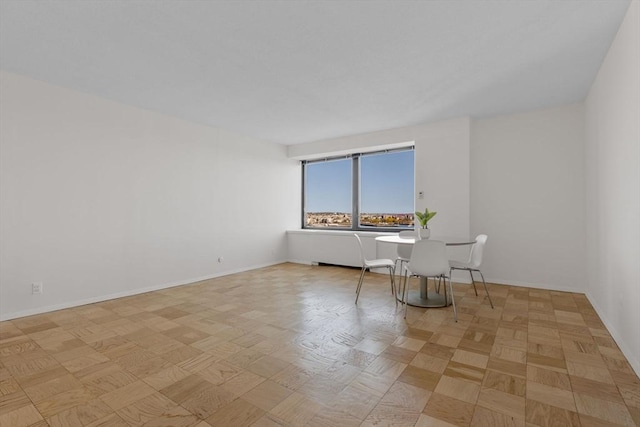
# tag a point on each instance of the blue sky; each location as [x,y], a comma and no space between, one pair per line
[386,184]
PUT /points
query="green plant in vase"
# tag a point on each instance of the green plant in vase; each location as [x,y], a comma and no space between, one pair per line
[423,218]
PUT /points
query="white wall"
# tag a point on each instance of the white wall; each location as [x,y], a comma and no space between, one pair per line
[442,172]
[517,178]
[527,195]
[613,188]
[98,199]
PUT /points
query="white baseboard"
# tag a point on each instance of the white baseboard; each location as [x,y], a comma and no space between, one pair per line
[102,298]
[300,261]
[544,286]
[634,359]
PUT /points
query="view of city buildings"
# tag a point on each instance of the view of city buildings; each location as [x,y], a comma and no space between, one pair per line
[342,219]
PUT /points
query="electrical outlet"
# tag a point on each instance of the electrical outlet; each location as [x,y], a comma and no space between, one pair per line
[36,288]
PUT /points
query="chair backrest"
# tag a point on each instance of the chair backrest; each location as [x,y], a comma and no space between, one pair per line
[475,258]
[429,258]
[404,251]
[363,259]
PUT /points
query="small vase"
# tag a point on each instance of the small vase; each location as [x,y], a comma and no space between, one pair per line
[425,233]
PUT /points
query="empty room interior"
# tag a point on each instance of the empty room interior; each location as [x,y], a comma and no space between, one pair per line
[319,213]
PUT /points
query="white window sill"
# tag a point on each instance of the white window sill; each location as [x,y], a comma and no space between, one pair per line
[330,232]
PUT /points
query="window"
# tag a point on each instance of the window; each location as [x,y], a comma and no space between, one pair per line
[327,190]
[370,191]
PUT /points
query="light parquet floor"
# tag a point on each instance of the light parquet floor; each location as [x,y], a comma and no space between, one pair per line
[286,346]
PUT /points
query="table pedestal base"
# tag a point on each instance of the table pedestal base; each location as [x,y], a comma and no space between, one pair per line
[424,298]
[434,300]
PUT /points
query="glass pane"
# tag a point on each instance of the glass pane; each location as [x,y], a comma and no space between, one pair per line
[328,194]
[386,190]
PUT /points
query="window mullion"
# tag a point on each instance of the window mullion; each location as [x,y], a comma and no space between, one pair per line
[355,194]
[304,186]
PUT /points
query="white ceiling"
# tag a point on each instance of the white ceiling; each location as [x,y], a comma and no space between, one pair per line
[299,71]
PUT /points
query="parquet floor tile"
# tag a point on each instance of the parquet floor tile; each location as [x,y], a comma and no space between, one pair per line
[286,346]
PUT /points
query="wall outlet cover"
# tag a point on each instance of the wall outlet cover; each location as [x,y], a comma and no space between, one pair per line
[36,288]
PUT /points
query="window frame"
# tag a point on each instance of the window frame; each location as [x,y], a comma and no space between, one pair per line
[355,191]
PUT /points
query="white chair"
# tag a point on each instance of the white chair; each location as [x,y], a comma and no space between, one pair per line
[404,251]
[428,259]
[473,263]
[368,264]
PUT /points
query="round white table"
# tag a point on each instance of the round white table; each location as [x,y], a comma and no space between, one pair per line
[422,298]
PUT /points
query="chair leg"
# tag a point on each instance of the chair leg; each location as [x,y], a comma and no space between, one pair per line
[359,279]
[453,301]
[392,275]
[473,282]
[485,288]
[404,294]
[360,283]
[403,284]
[397,278]
[392,288]
[395,267]
[446,300]
[404,288]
